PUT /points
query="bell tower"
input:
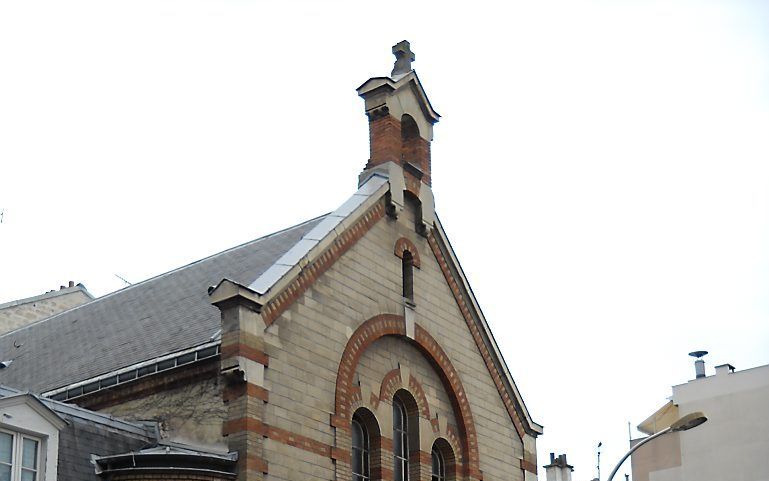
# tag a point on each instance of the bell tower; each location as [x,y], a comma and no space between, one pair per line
[401,123]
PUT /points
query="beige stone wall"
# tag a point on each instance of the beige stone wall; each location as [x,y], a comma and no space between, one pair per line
[192,414]
[14,315]
[305,345]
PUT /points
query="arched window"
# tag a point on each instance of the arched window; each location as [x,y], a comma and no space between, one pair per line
[361,453]
[400,441]
[409,139]
[444,462]
[439,466]
[408,276]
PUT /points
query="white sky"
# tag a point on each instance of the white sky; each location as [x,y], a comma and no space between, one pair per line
[601,167]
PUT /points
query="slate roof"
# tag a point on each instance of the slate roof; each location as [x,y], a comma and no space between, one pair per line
[152,318]
[83,437]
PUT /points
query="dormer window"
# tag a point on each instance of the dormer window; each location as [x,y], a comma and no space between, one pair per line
[19,457]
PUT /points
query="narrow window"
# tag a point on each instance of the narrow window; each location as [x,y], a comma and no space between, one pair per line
[400,441]
[439,466]
[408,276]
[361,470]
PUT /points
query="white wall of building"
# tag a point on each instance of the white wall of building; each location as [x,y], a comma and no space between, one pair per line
[733,444]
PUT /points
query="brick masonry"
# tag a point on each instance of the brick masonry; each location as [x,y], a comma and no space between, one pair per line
[403,245]
[306,338]
[388,145]
[161,476]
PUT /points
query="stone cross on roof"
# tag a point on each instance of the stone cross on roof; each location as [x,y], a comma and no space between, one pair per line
[403,58]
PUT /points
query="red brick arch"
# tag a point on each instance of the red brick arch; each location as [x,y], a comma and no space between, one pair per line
[402,245]
[393,381]
[394,325]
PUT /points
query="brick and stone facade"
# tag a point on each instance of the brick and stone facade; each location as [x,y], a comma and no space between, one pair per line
[338,340]
[336,322]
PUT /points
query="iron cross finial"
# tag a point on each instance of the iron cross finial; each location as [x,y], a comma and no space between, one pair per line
[403,58]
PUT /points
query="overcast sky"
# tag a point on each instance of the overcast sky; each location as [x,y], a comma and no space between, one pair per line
[601,167]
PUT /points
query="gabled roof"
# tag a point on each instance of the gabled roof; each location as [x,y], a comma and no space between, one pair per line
[36,405]
[158,316]
[313,245]
[310,246]
[500,365]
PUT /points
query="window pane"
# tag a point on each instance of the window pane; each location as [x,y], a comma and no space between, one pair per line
[29,454]
[28,475]
[5,472]
[357,467]
[397,416]
[357,434]
[398,471]
[6,448]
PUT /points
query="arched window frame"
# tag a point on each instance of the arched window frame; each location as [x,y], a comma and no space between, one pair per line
[408,276]
[370,467]
[409,138]
[360,451]
[445,468]
[406,461]
[400,441]
[438,470]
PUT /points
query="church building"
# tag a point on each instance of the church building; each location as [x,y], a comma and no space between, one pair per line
[346,348]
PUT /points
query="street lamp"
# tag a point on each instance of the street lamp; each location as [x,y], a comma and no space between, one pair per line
[685,423]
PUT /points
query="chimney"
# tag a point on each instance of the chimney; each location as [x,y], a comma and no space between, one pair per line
[401,121]
[699,364]
[724,369]
[558,469]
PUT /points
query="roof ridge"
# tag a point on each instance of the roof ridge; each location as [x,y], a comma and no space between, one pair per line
[127,288]
[46,295]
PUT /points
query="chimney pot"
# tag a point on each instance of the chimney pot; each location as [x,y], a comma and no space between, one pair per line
[71,284]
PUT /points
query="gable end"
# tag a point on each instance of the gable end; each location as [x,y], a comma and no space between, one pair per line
[482,340]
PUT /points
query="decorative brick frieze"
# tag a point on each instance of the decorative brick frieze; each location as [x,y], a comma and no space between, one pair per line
[390,383]
[464,308]
[393,381]
[286,437]
[415,388]
[275,307]
[402,245]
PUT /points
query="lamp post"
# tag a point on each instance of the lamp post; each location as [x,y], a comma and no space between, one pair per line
[685,423]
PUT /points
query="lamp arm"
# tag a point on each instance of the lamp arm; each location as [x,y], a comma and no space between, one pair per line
[633,449]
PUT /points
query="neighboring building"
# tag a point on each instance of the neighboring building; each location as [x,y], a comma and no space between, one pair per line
[348,347]
[558,469]
[44,439]
[16,314]
[731,445]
